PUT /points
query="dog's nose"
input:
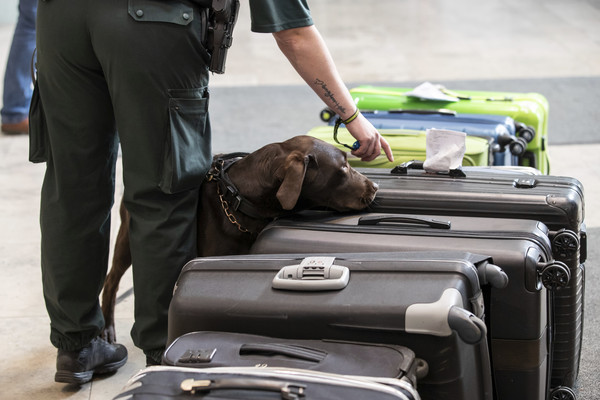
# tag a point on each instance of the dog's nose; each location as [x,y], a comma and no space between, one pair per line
[375,185]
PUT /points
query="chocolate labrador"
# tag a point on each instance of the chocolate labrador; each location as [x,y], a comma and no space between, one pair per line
[243,193]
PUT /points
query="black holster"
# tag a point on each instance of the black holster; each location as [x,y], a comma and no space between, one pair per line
[222,18]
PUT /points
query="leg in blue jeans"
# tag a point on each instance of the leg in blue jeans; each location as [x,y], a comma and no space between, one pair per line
[17,79]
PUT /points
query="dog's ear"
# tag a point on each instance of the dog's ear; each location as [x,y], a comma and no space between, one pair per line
[291,186]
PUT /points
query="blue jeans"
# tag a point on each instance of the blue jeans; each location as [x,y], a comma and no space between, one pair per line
[17,79]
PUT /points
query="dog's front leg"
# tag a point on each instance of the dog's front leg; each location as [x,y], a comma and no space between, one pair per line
[120,263]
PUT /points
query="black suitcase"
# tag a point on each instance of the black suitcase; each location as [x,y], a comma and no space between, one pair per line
[431,303]
[557,201]
[205,349]
[245,383]
[518,316]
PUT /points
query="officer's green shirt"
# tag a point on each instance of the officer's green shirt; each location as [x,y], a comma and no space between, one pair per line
[270,16]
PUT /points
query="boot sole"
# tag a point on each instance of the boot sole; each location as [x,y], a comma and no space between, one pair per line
[80,378]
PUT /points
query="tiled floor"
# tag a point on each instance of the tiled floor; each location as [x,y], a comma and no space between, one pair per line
[410,40]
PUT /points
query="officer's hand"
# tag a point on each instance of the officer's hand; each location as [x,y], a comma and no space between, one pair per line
[371,142]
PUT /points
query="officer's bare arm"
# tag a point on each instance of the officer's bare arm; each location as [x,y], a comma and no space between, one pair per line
[307,52]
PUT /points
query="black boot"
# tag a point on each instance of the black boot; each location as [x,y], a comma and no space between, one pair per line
[98,357]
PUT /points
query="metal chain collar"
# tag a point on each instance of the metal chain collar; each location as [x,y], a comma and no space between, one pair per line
[228,213]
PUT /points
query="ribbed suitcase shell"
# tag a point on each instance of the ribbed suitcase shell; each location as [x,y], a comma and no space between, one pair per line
[380,304]
[528,108]
[518,314]
[406,145]
[166,382]
[557,201]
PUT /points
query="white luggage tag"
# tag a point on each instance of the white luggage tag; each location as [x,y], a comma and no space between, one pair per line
[429,91]
[444,150]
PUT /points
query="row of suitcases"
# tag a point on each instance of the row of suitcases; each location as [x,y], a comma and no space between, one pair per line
[451,286]
[503,128]
[453,268]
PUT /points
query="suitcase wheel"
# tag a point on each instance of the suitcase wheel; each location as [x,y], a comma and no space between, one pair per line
[524,131]
[563,393]
[518,147]
[565,244]
[555,275]
[326,115]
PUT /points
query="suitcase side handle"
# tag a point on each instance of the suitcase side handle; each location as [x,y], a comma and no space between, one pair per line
[289,391]
[378,219]
[275,349]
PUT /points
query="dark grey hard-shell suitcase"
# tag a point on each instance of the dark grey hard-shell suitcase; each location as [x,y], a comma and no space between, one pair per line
[207,349]
[518,316]
[245,383]
[429,302]
[557,201]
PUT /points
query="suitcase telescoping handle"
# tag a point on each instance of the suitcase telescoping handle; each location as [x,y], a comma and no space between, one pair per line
[288,391]
[379,219]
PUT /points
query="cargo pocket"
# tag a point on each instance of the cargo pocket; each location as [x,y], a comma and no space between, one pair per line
[188,153]
[38,131]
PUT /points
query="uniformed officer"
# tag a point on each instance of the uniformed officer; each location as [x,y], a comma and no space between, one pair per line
[139,66]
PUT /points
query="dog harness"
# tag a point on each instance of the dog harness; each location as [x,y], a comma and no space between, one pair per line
[231,199]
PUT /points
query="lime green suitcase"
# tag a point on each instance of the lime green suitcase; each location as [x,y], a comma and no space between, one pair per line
[529,109]
[407,145]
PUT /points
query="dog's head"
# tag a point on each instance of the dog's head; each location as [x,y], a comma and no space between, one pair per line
[305,172]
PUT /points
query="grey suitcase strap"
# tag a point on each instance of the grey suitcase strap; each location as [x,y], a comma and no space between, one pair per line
[162,382]
[206,349]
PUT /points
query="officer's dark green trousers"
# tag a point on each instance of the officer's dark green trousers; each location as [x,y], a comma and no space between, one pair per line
[136,67]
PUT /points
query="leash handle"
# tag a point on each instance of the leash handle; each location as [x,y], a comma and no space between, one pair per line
[338,122]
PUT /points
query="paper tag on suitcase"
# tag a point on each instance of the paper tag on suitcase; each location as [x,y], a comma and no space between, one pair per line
[444,150]
[429,91]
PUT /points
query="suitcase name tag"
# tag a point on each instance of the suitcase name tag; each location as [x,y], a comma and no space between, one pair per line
[312,274]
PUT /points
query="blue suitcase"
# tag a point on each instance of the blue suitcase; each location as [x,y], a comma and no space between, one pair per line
[507,146]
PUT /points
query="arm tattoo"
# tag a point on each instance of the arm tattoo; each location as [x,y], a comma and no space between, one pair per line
[328,94]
